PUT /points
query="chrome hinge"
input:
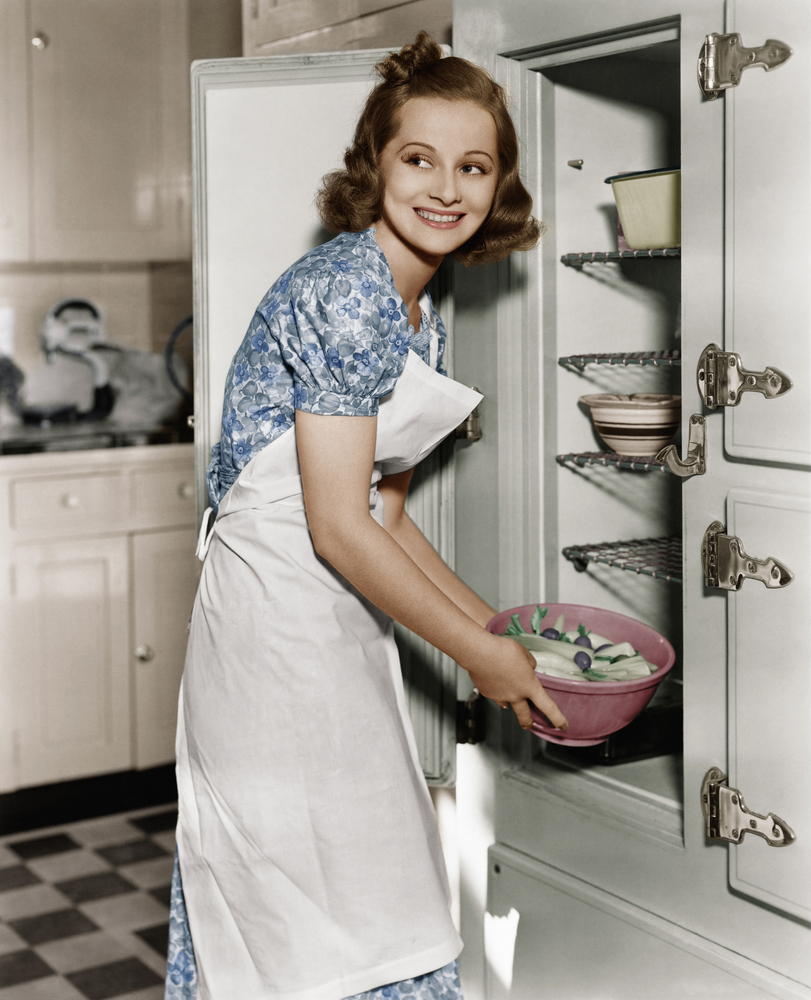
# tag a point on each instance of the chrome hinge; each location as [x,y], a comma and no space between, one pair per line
[695,463]
[727,817]
[726,565]
[724,57]
[470,429]
[722,379]
[470,727]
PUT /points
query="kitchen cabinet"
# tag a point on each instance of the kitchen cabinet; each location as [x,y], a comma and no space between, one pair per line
[97,576]
[15,241]
[270,28]
[164,578]
[577,862]
[94,163]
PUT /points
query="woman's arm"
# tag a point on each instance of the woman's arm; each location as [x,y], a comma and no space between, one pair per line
[408,536]
[336,455]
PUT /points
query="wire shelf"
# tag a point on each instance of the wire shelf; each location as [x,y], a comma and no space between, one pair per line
[660,558]
[599,257]
[638,463]
[659,359]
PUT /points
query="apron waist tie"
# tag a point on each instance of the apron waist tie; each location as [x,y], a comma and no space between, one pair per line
[204,537]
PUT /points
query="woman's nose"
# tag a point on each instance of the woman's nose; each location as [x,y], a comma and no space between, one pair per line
[445,187]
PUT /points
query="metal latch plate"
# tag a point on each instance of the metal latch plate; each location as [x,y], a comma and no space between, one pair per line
[722,379]
[724,57]
[726,564]
[727,817]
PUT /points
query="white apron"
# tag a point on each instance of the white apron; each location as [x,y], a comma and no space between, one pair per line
[308,844]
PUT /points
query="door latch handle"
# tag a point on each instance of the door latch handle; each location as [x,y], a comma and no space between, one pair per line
[724,57]
[722,379]
[727,817]
[726,564]
[470,429]
[695,463]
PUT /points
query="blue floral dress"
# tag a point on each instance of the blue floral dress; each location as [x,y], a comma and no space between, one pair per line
[330,337]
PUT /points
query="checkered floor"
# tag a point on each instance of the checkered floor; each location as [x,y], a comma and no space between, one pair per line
[84,909]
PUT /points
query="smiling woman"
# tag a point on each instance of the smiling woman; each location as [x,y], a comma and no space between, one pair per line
[307,875]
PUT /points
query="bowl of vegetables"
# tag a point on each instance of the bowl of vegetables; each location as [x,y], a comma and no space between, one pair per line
[602,668]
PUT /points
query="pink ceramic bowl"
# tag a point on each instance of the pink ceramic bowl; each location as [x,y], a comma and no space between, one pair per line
[595,709]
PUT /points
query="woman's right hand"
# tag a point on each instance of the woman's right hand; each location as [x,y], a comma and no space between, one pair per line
[505,672]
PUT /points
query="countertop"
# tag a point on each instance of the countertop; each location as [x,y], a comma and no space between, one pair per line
[19,439]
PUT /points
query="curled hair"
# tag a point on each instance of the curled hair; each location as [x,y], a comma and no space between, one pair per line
[352,199]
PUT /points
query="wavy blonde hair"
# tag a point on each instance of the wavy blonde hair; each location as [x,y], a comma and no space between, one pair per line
[352,199]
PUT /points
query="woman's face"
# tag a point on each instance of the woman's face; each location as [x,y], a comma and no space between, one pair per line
[440,171]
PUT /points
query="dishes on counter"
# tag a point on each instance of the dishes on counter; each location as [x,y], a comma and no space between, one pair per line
[598,708]
[639,424]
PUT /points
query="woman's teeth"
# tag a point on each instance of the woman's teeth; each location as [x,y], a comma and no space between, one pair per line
[432,217]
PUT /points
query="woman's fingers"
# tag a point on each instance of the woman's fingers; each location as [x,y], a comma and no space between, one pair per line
[545,703]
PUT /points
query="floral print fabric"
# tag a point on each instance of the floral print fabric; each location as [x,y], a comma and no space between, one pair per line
[330,337]
[181,970]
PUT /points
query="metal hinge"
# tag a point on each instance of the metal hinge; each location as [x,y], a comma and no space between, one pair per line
[470,727]
[726,564]
[724,57]
[722,379]
[695,464]
[727,817]
[470,429]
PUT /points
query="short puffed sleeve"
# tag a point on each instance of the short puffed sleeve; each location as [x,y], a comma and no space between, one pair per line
[344,340]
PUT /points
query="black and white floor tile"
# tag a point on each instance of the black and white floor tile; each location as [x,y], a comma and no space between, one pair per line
[84,908]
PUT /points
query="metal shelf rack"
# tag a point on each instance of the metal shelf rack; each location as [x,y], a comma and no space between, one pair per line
[660,558]
[599,257]
[638,463]
[659,359]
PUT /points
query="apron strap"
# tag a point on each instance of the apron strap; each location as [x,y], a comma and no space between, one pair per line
[204,538]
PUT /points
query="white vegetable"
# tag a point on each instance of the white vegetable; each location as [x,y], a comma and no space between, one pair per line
[537,643]
[560,623]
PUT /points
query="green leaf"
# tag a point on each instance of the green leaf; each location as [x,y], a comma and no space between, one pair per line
[514,628]
[605,659]
[581,630]
[564,638]
[538,616]
[594,675]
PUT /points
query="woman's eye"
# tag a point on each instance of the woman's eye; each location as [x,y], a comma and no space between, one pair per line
[418,161]
[472,168]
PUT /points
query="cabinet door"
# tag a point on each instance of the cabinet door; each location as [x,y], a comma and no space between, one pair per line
[165,572]
[110,133]
[14,152]
[67,616]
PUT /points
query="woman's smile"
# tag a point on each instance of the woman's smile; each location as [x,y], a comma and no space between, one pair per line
[444,221]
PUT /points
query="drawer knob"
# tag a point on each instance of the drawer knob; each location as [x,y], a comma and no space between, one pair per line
[144,653]
[70,500]
[186,490]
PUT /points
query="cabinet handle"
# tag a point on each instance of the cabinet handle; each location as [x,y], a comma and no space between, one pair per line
[186,490]
[144,653]
[40,41]
[70,500]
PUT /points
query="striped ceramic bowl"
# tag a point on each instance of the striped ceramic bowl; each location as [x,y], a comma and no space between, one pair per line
[639,424]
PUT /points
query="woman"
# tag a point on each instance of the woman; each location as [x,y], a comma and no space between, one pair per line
[311,863]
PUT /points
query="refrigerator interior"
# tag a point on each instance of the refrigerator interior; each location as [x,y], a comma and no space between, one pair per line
[618,113]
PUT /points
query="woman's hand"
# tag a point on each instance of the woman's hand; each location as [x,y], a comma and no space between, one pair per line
[507,675]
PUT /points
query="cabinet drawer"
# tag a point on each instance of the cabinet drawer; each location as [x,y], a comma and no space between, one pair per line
[163,498]
[68,504]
